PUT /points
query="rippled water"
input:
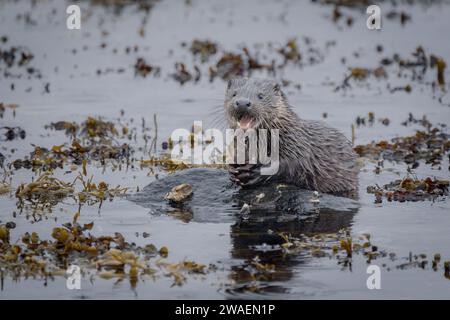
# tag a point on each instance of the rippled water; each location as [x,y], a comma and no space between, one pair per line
[211,229]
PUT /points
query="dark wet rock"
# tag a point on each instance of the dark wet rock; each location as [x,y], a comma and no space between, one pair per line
[216,199]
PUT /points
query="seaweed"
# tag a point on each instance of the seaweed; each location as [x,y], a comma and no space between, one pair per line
[401,16]
[47,160]
[12,133]
[97,127]
[16,58]
[410,189]
[11,106]
[440,65]
[107,256]
[4,188]
[182,75]
[143,69]
[93,193]
[43,193]
[430,145]
[232,64]
[203,48]
[170,165]
[290,52]
[93,139]
[361,74]
[70,128]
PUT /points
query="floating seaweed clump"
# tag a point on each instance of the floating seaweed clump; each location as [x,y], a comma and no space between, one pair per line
[171,165]
[17,57]
[71,128]
[42,159]
[414,68]
[370,120]
[230,65]
[92,128]
[119,5]
[43,193]
[418,65]
[47,191]
[401,16]
[143,69]
[361,74]
[410,189]
[97,127]
[4,188]
[290,52]
[12,133]
[440,65]
[253,276]
[93,139]
[238,64]
[203,48]
[46,160]
[11,106]
[164,162]
[107,256]
[93,193]
[182,75]
[243,63]
[430,145]
[329,245]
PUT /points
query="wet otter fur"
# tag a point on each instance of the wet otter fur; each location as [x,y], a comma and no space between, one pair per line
[312,154]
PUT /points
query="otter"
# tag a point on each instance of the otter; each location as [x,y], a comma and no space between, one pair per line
[312,155]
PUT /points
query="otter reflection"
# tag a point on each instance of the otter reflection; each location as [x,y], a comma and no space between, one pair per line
[274,209]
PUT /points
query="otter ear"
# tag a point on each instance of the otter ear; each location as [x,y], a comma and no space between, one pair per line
[278,91]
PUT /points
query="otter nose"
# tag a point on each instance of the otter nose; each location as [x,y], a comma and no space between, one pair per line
[242,105]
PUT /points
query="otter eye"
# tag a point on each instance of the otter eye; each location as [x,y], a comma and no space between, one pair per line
[234,94]
[260,96]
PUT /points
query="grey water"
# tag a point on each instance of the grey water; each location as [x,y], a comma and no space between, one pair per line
[211,227]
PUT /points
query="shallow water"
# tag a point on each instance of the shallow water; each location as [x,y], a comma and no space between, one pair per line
[212,230]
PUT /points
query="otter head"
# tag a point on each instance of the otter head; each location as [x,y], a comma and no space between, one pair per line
[253,103]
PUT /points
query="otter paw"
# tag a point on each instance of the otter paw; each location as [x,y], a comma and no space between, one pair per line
[245,175]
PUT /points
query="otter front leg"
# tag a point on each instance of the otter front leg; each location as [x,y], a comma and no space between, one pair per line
[246,175]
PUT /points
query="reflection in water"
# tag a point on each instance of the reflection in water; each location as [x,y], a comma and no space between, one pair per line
[259,236]
[255,235]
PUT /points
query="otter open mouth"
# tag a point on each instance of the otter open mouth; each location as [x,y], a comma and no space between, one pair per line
[245,122]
